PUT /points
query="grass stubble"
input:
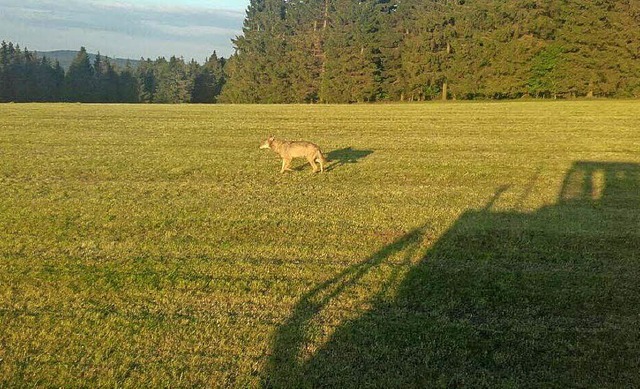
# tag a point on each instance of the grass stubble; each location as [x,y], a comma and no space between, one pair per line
[157,246]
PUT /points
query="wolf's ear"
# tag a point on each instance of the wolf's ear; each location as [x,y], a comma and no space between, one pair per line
[272,138]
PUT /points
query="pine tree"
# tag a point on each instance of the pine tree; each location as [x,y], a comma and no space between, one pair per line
[79,81]
[353,66]
[257,71]
[207,80]
[7,59]
[109,82]
[216,65]
[147,81]
[306,25]
[58,82]
[19,73]
[128,89]
[174,84]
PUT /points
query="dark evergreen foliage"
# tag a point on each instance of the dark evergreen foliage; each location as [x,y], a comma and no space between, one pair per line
[371,50]
[342,51]
[209,80]
[24,77]
[80,84]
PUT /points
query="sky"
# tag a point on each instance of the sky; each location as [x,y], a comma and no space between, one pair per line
[131,29]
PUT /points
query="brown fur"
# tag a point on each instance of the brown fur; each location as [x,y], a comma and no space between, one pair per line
[295,149]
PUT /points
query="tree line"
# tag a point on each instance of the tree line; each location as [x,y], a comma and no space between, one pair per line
[342,51]
[397,50]
[25,77]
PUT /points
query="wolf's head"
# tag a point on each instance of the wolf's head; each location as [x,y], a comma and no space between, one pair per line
[267,143]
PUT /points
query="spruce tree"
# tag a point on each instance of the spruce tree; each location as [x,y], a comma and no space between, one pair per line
[8,79]
[207,80]
[128,89]
[257,71]
[147,80]
[109,82]
[79,80]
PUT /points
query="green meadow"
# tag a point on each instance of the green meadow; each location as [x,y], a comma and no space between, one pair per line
[448,245]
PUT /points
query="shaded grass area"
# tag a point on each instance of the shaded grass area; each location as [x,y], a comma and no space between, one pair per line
[447,245]
[502,299]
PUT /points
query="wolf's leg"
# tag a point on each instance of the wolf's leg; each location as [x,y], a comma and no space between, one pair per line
[285,165]
[318,157]
[312,163]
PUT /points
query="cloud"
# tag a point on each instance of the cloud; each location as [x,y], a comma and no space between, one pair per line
[121,28]
[189,31]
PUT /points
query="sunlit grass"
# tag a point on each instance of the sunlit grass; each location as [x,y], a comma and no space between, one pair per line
[157,246]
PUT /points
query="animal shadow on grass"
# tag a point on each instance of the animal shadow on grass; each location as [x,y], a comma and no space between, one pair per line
[503,298]
[347,155]
[340,157]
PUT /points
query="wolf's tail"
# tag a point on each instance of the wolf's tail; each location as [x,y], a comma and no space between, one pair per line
[320,157]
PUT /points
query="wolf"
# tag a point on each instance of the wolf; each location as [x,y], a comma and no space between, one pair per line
[295,149]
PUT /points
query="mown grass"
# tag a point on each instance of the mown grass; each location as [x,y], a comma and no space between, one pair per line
[464,244]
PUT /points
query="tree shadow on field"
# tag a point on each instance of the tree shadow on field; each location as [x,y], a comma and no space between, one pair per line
[503,299]
[347,155]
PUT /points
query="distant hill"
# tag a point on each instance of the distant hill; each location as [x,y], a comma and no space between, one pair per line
[65,57]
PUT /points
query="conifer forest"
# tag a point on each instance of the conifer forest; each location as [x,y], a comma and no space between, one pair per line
[345,51]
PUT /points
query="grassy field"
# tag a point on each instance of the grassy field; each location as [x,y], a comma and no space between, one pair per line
[448,245]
